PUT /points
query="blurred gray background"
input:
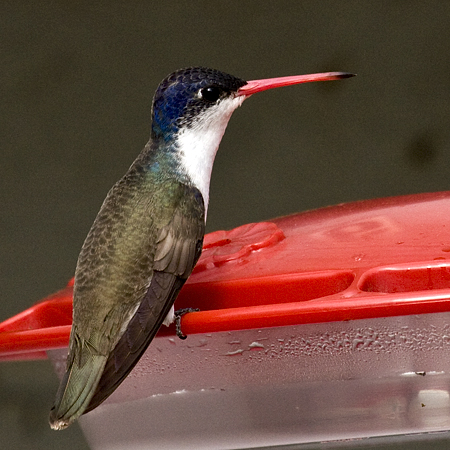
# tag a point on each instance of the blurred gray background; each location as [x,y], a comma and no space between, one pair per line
[76,83]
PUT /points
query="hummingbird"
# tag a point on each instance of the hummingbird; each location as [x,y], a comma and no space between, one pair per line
[148,234]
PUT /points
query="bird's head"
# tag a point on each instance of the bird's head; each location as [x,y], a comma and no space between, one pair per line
[188,96]
[193,95]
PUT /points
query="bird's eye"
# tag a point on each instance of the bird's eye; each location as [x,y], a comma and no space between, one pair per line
[210,94]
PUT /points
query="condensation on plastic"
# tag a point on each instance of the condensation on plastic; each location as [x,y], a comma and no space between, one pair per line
[283,385]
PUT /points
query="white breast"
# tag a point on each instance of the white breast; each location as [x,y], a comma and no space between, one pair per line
[198,145]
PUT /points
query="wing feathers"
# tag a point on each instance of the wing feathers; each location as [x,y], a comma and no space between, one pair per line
[137,338]
[128,277]
[178,248]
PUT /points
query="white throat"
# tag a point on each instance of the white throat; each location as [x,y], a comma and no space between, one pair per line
[198,145]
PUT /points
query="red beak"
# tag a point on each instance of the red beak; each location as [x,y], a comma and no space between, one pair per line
[252,87]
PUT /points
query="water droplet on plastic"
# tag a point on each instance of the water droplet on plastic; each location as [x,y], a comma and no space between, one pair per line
[235,352]
[255,345]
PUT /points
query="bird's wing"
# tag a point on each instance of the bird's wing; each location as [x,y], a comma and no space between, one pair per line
[129,273]
[179,247]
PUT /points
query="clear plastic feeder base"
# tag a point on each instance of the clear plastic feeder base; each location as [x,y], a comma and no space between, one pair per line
[278,386]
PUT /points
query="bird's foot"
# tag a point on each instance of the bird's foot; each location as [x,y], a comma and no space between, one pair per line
[178,315]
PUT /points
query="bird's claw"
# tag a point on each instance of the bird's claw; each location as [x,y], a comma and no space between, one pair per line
[178,315]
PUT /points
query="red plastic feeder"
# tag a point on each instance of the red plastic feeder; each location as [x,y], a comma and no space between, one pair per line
[330,324]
